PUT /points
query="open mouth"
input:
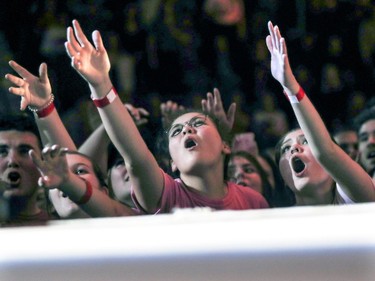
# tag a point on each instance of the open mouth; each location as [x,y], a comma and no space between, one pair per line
[189,143]
[298,165]
[241,182]
[14,179]
[371,155]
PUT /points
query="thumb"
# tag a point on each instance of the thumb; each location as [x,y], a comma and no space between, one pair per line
[43,74]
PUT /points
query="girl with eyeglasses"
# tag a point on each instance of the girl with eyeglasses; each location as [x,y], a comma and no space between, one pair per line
[196,145]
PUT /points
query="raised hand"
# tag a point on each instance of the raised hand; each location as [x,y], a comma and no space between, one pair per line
[34,91]
[53,167]
[280,67]
[168,110]
[90,61]
[138,114]
[213,105]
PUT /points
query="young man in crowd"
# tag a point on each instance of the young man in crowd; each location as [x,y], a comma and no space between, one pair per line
[18,174]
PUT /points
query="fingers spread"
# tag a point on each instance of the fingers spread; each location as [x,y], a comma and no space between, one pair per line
[19,69]
[98,42]
[73,44]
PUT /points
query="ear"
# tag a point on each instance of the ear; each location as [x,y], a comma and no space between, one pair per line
[173,166]
[105,190]
[226,148]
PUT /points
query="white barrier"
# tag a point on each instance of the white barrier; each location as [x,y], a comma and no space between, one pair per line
[300,243]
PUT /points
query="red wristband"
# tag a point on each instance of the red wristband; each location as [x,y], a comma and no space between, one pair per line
[109,98]
[88,193]
[296,98]
[45,111]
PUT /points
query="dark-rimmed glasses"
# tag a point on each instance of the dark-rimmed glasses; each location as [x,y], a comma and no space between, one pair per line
[194,122]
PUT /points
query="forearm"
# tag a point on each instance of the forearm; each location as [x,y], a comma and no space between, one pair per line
[98,204]
[53,131]
[142,165]
[96,147]
[314,128]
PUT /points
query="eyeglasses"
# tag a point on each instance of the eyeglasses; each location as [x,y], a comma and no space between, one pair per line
[194,122]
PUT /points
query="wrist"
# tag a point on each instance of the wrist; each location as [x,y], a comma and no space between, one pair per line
[46,109]
[87,195]
[297,97]
[106,100]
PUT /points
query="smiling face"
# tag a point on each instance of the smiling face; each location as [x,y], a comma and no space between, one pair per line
[194,142]
[241,171]
[366,136]
[298,166]
[16,167]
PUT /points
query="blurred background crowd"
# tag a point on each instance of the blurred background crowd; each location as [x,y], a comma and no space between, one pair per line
[179,50]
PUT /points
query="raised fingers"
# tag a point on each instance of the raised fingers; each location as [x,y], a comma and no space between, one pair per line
[72,46]
[19,69]
[78,32]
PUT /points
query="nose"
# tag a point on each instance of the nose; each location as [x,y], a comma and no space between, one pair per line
[188,129]
[295,149]
[238,172]
[371,138]
[13,161]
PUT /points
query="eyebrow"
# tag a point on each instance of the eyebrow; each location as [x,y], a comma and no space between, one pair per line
[290,139]
[192,118]
[22,145]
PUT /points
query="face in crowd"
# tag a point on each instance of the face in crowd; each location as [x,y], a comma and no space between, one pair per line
[243,172]
[366,140]
[17,169]
[297,165]
[82,167]
[195,142]
[348,141]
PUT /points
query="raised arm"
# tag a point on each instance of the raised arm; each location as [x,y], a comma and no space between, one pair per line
[96,145]
[355,182]
[92,63]
[36,93]
[55,173]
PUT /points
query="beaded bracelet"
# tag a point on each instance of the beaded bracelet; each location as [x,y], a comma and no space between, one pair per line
[108,99]
[45,110]
[297,97]
[87,195]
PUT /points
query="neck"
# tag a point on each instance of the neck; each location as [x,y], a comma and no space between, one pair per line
[210,184]
[26,206]
[321,195]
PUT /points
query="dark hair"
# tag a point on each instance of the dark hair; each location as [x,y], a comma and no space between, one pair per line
[279,144]
[365,115]
[267,191]
[21,122]
[344,128]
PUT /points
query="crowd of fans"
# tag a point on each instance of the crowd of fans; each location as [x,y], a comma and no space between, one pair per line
[177,51]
